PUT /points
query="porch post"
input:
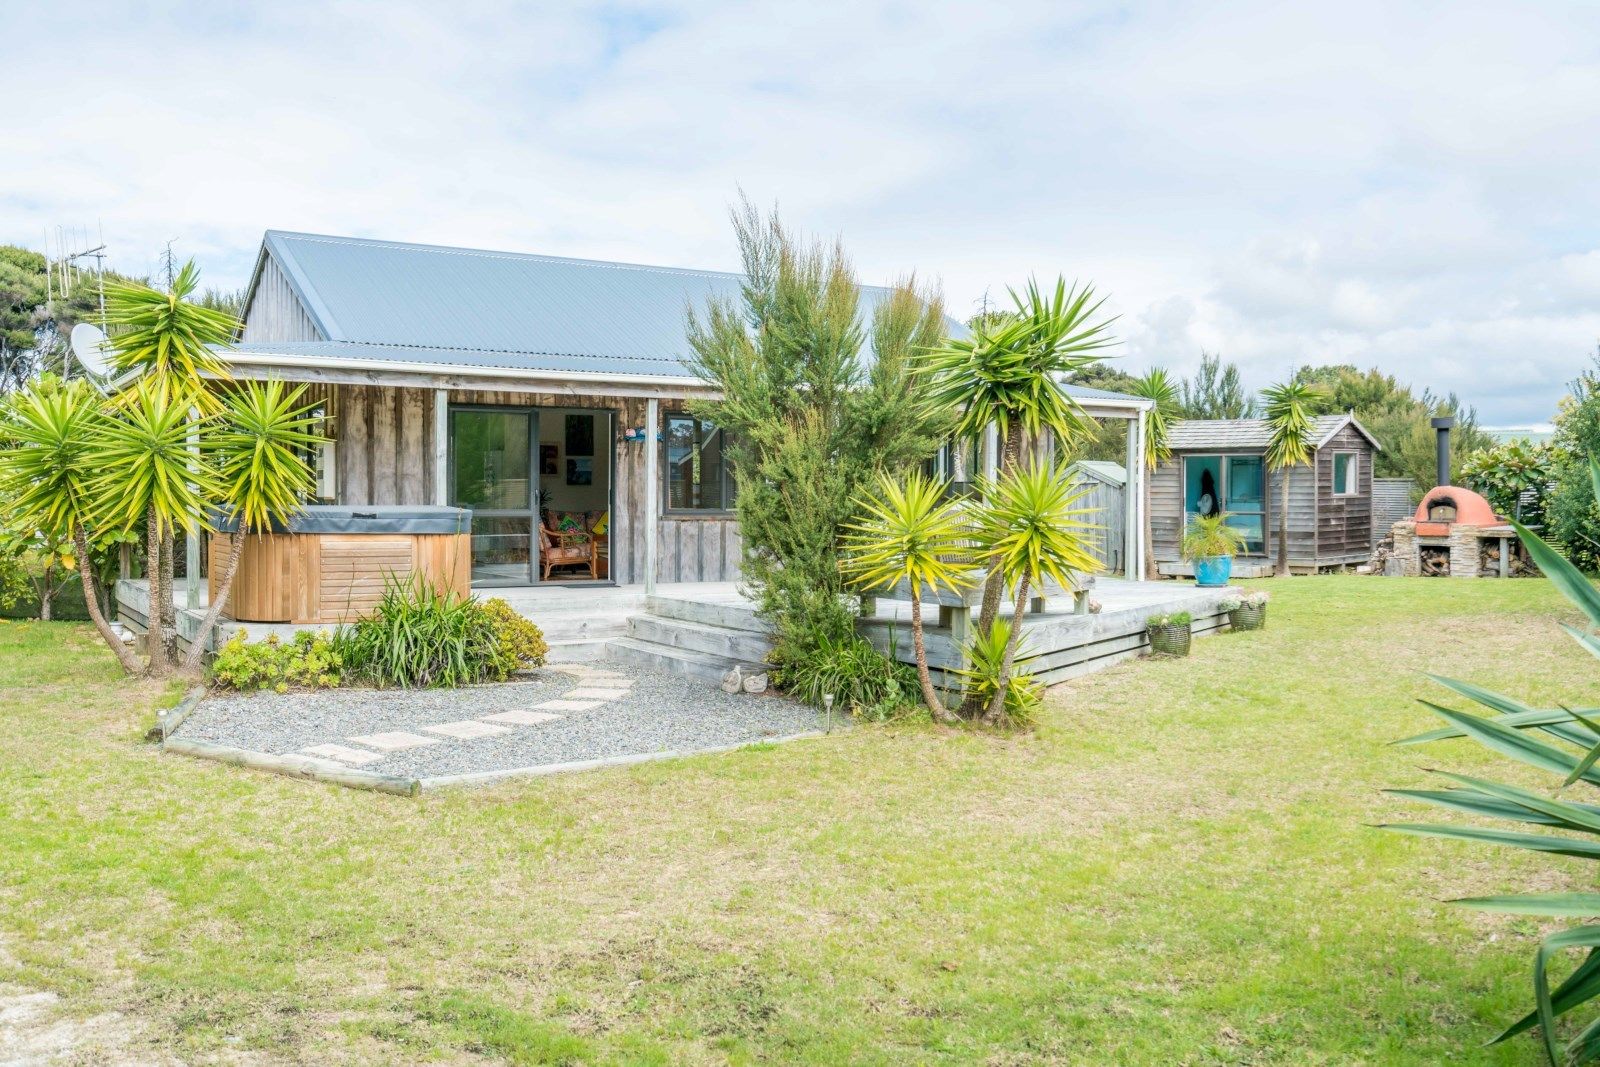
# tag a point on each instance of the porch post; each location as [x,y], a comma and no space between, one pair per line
[1133,502]
[652,489]
[191,539]
[441,447]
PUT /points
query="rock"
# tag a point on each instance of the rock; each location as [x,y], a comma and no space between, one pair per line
[756,682]
[733,681]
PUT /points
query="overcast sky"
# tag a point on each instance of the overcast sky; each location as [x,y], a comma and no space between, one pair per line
[1410,185]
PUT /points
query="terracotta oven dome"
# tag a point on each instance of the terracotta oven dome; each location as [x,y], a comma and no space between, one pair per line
[1444,506]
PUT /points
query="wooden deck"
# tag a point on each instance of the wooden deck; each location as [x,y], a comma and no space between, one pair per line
[700,628]
[1058,644]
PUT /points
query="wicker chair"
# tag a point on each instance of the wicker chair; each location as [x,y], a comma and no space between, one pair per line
[568,548]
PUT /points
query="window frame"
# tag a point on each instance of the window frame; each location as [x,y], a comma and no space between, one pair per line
[728,486]
[1353,475]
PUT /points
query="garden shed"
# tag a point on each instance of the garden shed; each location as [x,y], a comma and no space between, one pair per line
[1107,488]
[1220,465]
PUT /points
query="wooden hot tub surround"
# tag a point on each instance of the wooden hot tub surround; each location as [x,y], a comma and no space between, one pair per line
[330,564]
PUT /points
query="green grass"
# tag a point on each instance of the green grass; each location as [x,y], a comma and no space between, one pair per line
[1175,868]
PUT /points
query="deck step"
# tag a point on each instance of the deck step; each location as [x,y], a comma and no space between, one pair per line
[735,615]
[734,645]
[702,665]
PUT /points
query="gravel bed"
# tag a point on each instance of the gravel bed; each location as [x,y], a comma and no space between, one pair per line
[662,712]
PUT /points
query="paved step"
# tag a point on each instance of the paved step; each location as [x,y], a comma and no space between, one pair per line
[667,658]
[736,646]
[589,650]
[733,614]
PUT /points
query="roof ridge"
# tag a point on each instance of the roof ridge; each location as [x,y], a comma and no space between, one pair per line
[541,257]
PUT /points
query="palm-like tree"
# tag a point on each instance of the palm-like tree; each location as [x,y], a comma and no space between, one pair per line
[1011,373]
[143,468]
[1031,529]
[175,344]
[165,336]
[910,533]
[1158,386]
[50,430]
[1289,408]
[257,451]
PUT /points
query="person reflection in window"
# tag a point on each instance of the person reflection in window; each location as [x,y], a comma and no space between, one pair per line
[1207,502]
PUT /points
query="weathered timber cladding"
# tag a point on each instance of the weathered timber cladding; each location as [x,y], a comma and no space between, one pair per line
[385,456]
[1108,503]
[275,312]
[1325,530]
[1344,523]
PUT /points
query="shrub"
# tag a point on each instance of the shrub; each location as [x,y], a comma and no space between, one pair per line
[863,680]
[519,644]
[419,637]
[1024,696]
[1515,477]
[309,661]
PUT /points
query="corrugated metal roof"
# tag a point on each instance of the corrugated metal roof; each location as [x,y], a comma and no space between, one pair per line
[435,306]
[1105,470]
[611,316]
[1189,434]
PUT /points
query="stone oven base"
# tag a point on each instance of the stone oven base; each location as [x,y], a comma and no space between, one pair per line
[1468,551]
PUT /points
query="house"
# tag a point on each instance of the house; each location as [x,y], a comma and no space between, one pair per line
[1218,465]
[541,392]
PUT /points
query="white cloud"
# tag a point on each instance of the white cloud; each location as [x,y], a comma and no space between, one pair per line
[1376,182]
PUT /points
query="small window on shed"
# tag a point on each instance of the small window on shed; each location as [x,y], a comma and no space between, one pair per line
[1346,474]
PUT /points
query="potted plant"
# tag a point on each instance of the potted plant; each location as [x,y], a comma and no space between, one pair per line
[1247,611]
[1210,543]
[1169,633]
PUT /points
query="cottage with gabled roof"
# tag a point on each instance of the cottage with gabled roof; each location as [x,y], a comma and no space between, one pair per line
[547,395]
[1219,465]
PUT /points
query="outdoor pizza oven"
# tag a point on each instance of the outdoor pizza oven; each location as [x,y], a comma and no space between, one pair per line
[1455,532]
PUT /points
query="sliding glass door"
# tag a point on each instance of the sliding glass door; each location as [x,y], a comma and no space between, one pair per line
[492,462]
[1234,484]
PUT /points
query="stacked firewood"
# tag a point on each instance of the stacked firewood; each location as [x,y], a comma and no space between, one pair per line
[1489,560]
[1433,562]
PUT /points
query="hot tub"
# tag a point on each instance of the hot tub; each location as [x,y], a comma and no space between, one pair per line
[331,562]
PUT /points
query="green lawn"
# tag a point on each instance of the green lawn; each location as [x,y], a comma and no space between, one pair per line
[1174,869]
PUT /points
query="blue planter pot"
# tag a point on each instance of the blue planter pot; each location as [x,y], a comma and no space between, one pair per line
[1213,571]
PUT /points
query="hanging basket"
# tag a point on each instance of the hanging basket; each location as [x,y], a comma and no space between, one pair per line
[1170,640]
[1248,617]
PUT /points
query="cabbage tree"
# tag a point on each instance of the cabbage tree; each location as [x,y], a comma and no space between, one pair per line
[911,533]
[1289,409]
[1031,530]
[50,430]
[1011,373]
[1159,387]
[257,449]
[143,469]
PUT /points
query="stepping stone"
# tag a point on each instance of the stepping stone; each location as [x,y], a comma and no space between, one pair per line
[521,718]
[569,705]
[588,693]
[466,729]
[344,753]
[394,740]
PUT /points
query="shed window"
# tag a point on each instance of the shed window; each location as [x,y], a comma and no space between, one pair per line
[1346,474]
[699,477]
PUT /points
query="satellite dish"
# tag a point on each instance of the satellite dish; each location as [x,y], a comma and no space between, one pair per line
[87,344]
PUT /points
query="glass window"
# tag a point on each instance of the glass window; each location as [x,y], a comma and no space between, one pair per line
[491,453]
[1202,485]
[698,474]
[956,462]
[1244,483]
[1345,474]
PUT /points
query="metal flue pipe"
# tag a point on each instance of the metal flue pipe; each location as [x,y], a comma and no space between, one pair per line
[1441,427]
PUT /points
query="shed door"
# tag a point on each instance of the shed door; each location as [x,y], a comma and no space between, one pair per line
[1233,484]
